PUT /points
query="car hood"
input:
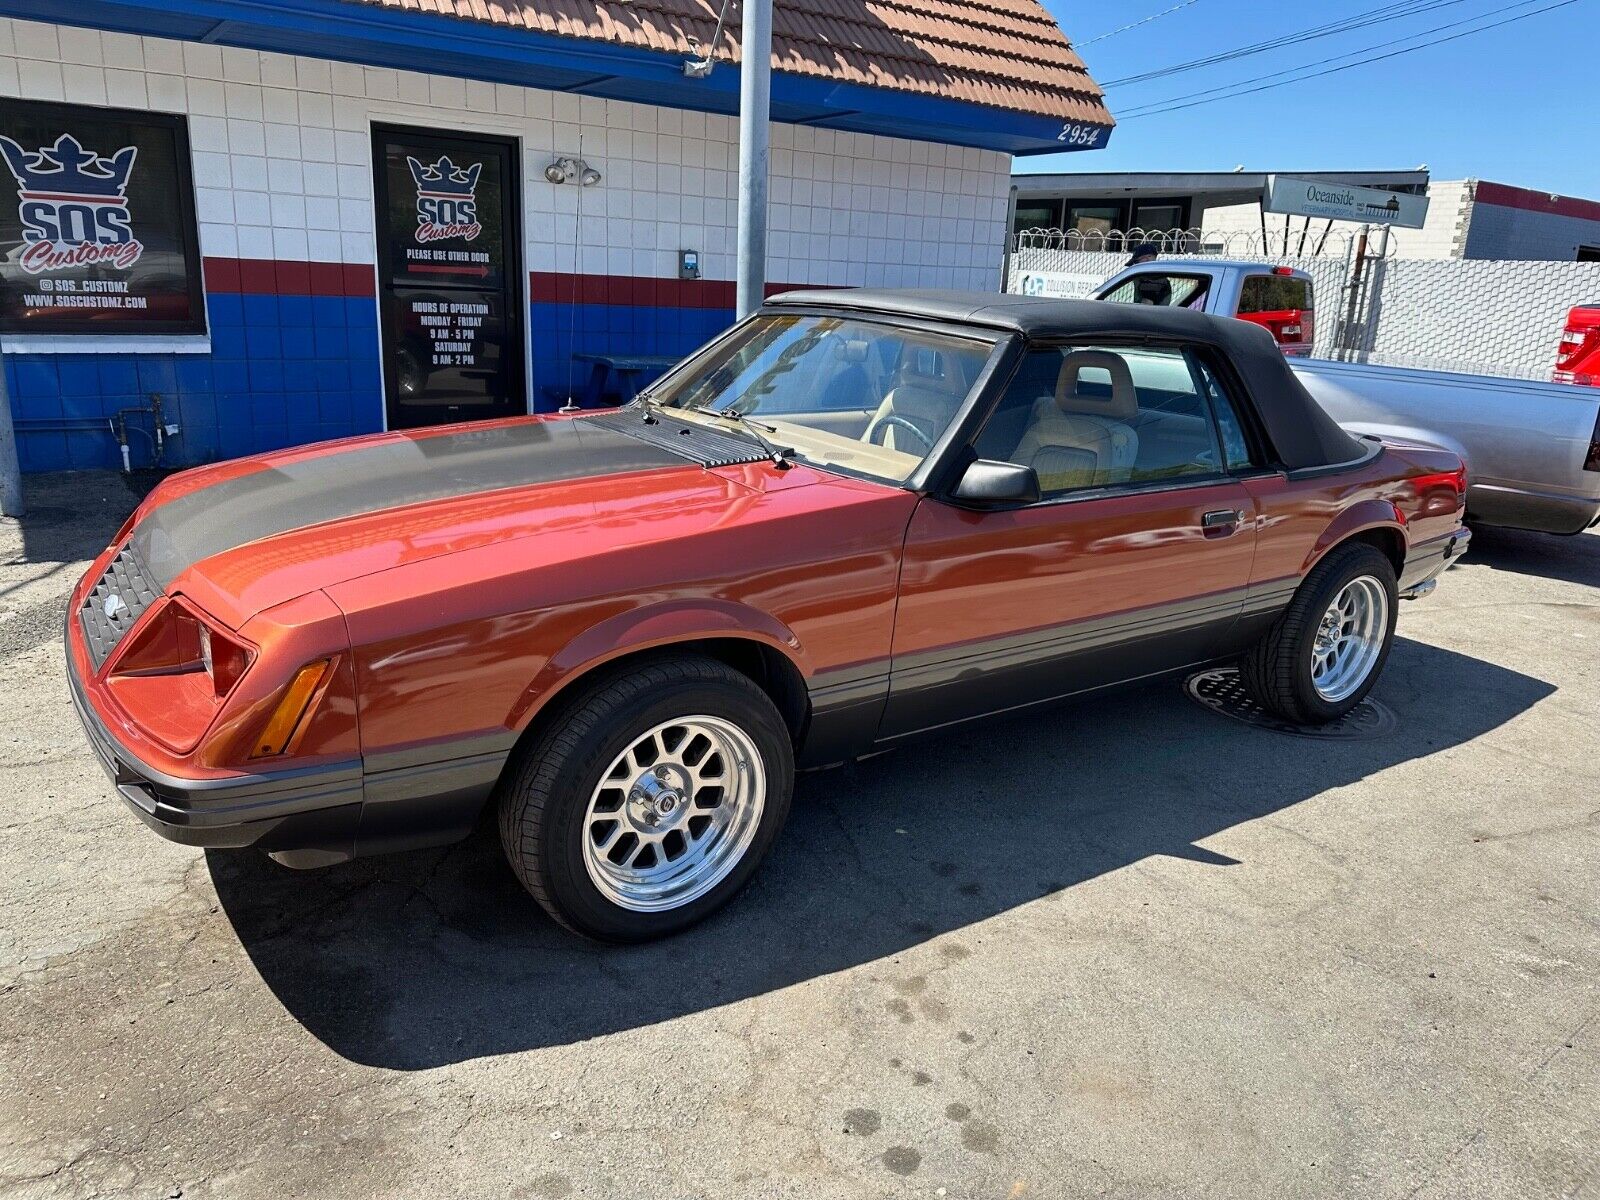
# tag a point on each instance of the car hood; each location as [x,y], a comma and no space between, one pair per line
[246,535]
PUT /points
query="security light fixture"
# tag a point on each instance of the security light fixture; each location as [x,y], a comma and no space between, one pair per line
[572,170]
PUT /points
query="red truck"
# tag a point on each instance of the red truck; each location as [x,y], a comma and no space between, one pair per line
[1578,357]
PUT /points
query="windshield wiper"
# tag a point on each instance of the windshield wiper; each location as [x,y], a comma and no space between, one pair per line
[649,406]
[780,455]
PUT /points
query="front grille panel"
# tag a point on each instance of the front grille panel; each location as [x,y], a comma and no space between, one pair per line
[126,579]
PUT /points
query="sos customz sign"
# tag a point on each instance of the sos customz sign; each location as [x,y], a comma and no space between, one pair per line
[447,201]
[98,234]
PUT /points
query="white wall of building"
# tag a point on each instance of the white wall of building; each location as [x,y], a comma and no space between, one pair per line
[283,166]
[1498,231]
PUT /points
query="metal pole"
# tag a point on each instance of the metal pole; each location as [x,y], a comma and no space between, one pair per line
[1011,237]
[10,471]
[1358,264]
[755,108]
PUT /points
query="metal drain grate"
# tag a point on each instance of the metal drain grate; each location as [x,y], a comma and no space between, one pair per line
[1222,691]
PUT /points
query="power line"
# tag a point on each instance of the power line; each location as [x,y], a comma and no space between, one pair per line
[1140,109]
[1265,87]
[1166,12]
[1361,20]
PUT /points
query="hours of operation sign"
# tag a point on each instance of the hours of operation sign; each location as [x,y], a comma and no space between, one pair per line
[448,270]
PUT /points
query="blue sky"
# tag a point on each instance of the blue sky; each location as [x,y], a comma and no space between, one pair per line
[1515,104]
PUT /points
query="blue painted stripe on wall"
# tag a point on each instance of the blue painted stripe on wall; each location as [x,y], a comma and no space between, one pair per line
[284,370]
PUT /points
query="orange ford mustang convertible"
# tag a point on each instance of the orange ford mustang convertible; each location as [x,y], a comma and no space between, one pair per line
[854,518]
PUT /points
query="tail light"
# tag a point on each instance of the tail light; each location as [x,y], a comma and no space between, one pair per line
[1578,354]
[1441,491]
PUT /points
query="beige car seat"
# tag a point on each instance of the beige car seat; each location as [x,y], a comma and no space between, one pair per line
[1078,440]
[927,391]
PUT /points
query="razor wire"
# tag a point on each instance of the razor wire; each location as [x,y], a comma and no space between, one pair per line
[1490,317]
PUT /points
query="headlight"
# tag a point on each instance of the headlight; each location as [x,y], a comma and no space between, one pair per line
[173,671]
[176,641]
[223,659]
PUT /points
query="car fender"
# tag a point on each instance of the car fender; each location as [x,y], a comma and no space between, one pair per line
[1360,517]
[652,627]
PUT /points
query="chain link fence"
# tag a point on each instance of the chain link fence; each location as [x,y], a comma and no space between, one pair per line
[1477,316]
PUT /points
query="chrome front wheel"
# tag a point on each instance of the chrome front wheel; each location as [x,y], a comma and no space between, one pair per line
[1350,638]
[674,813]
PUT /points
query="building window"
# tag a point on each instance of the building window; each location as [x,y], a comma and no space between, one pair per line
[1094,219]
[1158,218]
[1036,214]
[97,226]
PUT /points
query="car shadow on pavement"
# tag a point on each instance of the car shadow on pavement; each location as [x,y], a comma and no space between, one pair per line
[1574,559]
[418,960]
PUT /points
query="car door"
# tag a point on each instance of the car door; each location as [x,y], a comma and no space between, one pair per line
[1135,560]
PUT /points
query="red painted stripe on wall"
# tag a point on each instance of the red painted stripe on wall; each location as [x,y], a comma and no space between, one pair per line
[640,291]
[280,277]
[1527,200]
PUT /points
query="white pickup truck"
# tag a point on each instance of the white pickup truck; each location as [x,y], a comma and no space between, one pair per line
[1532,449]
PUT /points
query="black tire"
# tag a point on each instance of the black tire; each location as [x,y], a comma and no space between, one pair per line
[545,793]
[1277,669]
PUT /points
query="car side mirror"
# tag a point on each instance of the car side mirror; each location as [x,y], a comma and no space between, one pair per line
[988,482]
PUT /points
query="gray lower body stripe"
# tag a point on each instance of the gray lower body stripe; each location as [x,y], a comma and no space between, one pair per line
[1018,650]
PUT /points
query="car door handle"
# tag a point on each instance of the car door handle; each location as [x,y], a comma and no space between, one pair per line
[1221,522]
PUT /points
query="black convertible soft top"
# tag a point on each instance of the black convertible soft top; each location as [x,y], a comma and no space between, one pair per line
[1301,433]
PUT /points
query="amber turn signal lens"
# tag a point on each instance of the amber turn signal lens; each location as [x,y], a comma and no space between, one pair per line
[291,710]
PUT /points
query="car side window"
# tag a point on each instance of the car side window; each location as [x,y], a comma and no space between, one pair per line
[1235,443]
[1094,417]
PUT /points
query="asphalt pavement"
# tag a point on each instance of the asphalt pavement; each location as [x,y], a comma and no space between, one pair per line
[1127,948]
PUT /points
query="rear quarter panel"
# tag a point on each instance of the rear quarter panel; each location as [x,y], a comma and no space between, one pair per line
[1398,493]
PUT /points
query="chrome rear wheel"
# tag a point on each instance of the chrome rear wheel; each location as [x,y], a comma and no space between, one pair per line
[1350,638]
[674,813]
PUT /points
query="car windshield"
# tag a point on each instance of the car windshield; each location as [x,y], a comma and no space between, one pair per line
[863,396]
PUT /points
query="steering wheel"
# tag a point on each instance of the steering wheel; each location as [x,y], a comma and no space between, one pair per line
[898,422]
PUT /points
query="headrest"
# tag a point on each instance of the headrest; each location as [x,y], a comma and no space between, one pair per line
[924,367]
[1121,405]
[851,349]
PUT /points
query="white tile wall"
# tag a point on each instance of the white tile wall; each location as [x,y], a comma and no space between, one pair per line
[1496,231]
[283,166]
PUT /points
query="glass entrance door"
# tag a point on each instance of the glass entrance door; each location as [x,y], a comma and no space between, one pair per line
[449,276]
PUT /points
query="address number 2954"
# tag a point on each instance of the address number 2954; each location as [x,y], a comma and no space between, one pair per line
[1074,134]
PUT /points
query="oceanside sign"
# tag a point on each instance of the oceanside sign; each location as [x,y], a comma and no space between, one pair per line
[1342,202]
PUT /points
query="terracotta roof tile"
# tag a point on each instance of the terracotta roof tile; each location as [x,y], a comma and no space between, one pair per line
[1007,54]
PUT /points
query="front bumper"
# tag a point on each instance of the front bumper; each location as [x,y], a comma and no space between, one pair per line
[309,816]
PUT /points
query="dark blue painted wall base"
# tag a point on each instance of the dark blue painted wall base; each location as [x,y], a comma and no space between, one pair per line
[282,370]
[287,369]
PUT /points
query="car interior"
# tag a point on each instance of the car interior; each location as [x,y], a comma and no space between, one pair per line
[1096,417]
[874,398]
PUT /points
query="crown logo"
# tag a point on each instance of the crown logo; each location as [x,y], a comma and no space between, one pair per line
[68,169]
[444,178]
